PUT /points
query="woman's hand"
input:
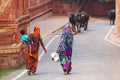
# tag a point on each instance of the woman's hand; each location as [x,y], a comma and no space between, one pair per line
[43,46]
[45,50]
[75,32]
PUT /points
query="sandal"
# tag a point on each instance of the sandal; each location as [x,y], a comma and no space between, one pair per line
[28,72]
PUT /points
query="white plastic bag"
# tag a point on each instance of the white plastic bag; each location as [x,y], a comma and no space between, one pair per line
[55,56]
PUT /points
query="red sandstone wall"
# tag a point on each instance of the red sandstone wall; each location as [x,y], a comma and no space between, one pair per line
[63,9]
[8,11]
[98,8]
[95,8]
[7,38]
[39,8]
[14,59]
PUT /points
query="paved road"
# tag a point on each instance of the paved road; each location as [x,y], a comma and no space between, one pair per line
[94,58]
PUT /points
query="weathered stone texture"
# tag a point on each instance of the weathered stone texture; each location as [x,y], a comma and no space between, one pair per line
[8,10]
[118,18]
[13,57]
[93,8]
[41,8]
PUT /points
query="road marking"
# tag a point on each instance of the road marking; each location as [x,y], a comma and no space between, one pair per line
[106,37]
[47,47]
[22,73]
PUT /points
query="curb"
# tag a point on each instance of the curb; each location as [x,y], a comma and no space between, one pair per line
[108,37]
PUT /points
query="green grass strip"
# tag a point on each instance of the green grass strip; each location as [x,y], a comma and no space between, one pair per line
[6,72]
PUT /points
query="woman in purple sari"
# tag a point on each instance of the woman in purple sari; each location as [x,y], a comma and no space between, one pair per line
[65,47]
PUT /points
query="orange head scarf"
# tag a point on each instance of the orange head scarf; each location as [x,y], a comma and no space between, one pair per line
[36,31]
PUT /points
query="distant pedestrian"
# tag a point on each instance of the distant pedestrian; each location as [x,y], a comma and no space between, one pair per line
[32,57]
[65,47]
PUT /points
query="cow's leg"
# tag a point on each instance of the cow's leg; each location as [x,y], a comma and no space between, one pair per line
[79,28]
[110,21]
[85,26]
[73,26]
[113,21]
[76,27]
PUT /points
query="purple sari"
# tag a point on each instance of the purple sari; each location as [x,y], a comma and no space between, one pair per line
[65,48]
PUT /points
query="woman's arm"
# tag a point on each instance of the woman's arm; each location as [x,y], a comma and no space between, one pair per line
[43,45]
[73,29]
[75,32]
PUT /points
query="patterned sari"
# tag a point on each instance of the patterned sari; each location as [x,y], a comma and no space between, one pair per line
[32,61]
[65,48]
